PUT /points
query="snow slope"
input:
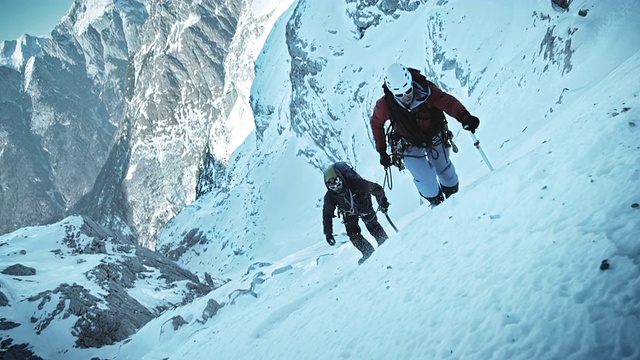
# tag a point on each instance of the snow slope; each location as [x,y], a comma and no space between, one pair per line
[508,268]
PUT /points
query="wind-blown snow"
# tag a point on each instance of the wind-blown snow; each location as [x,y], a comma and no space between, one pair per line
[508,268]
[94,11]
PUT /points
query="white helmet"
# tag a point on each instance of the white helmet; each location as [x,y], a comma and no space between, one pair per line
[398,79]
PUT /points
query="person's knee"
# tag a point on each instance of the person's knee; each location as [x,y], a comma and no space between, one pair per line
[352,227]
[448,178]
[369,218]
[352,231]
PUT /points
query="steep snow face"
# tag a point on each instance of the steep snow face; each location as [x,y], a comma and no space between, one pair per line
[316,83]
[514,257]
[239,199]
[255,23]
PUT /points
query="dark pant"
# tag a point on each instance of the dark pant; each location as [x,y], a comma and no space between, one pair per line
[373,226]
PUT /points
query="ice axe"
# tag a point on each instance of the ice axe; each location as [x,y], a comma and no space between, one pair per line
[390,222]
[476,143]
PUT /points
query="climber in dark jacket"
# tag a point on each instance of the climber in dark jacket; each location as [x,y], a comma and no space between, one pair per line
[351,194]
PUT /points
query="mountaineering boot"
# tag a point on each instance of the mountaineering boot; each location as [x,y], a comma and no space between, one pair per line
[363,245]
[436,200]
[449,190]
[363,259]
[381,239]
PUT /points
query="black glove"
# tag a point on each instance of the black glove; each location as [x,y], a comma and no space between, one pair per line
[469,122]
[384,204]
[330,240]
[385,159]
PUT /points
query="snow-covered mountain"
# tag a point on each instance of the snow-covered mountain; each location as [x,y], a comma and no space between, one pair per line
[510,267]
[63,101]
[164,90]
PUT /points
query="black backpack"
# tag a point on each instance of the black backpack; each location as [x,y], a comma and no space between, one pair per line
[346,171]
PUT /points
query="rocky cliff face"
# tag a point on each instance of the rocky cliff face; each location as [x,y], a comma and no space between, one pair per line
[64,101]
[176,101]
[114,115]
[187,111]
[105,286]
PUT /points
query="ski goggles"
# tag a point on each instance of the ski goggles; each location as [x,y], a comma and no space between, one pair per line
[334,184]
[408,92]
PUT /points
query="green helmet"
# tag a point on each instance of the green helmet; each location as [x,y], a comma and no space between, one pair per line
[333,179]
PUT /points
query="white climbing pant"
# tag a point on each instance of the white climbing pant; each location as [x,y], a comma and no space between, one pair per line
[430,167]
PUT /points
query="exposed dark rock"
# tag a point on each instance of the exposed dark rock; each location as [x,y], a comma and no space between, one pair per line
[106,319]
[6,343]
[367,14]
[18,352]
[563,4]
[95,326]
[178,321]
[214,283]
[211,174]
[256,265]
[4,301]
[238,292]
[211,310]
[19,270]
[557,50]
[193,237]
[281,270]
[7,324]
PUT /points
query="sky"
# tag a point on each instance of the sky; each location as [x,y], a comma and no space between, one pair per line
[32,17]
[508,268]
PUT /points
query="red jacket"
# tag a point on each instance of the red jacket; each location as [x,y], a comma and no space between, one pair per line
[428,118]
